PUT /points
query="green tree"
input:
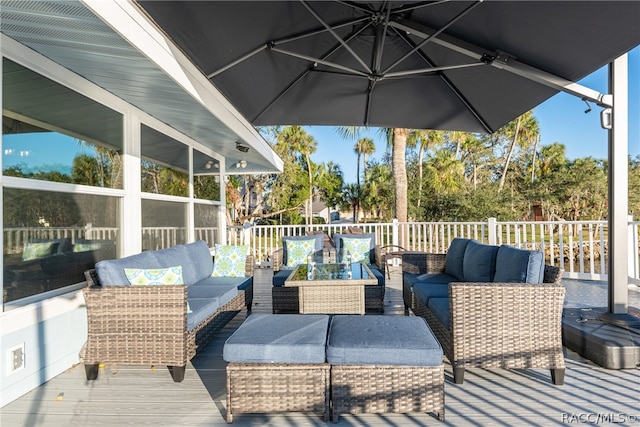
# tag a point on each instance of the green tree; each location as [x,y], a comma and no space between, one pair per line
[363,147]
[378,191]
[526,129]
[298,140]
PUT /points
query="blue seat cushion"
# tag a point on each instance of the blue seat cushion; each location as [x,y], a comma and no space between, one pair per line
[440,308]
[201,309]
[279,338]
[382,340]
[519,265]
[280,277]
[215,287]
[436,278]
[425,291]
[479,262]
[455,257]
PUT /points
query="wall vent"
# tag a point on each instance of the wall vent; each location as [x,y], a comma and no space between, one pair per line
[15,359]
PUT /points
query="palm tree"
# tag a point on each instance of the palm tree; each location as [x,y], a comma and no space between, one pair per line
[378,189]
[363,147]
[299,141]
[350,197]
[398,138]
[424,139]
[526,127]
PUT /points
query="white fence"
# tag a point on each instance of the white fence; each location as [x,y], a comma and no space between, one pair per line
[579,247]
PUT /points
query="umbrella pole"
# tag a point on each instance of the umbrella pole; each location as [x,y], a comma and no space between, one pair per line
[616,120]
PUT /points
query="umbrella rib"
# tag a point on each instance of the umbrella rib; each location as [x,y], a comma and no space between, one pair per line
[432,36]
[319,61]
[451,86]
[380,40]
[337,37]
[420,6]
[312,68]
[237,61]
[320,31]
[432,70]
[282,41]
[367,108]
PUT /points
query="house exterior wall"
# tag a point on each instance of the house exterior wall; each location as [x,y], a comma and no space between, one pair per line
[51,326]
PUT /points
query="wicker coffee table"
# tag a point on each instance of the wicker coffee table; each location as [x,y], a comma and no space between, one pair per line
[331,288]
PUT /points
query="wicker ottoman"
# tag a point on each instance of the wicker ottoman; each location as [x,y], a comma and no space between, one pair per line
[384,364]
[277,364]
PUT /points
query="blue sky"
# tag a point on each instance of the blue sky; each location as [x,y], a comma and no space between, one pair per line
[562,119]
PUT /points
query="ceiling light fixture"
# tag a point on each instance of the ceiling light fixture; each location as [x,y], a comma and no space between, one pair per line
[241,147]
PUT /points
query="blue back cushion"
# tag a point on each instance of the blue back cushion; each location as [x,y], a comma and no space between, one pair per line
[337,238]
[519,265]
[455,256]
[111,272]
[479,262]
[194,258]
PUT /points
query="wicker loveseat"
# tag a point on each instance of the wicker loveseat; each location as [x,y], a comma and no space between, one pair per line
[159,325]
[489,306]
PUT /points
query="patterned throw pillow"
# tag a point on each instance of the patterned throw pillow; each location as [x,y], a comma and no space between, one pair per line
[85,247]
[358,248]
[37,250]
[298,251]
[230,261]
[155,276]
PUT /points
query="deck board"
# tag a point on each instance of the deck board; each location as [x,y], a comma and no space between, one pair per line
[141,396]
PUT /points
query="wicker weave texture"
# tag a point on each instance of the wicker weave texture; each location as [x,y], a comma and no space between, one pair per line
[266,388]
[333,299]
[136,324]
[384,389]
[507,325]
[147,325]
[286,299]
[423,262]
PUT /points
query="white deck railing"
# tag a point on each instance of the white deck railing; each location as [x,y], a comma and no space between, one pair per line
[579,247]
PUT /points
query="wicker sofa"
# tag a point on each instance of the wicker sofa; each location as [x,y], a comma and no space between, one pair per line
[286,300]
[159,325]
[489,306]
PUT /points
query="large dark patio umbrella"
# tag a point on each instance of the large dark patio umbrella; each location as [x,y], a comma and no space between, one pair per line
[450,65]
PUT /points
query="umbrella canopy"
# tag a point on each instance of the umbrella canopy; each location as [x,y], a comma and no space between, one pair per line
[450,65]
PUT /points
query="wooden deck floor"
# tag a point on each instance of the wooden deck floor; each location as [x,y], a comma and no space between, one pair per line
[126,395]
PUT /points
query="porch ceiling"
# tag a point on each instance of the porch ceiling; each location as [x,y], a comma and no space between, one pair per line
[72,35]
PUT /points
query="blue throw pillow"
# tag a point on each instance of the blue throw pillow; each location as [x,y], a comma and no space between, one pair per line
[479,264]
[519,265]
[455,256]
